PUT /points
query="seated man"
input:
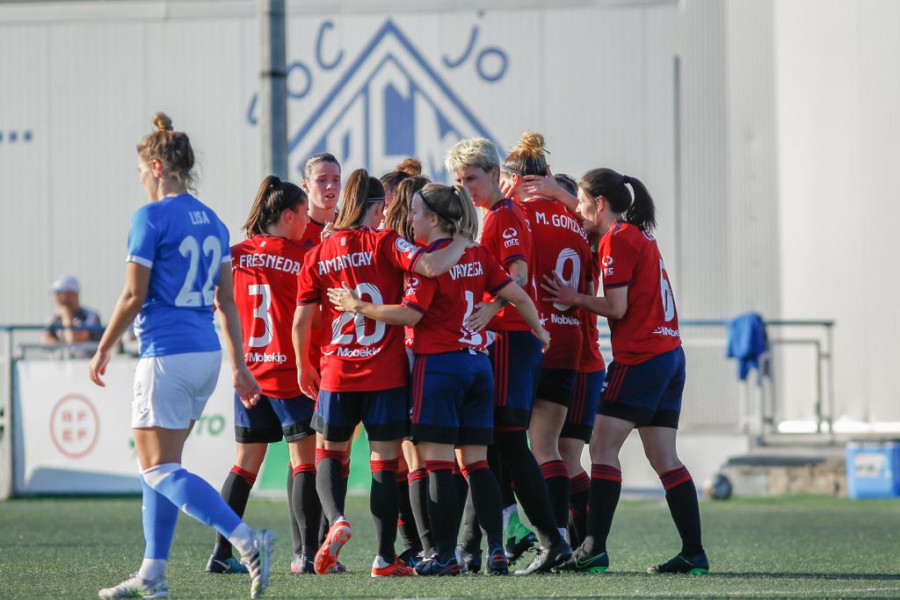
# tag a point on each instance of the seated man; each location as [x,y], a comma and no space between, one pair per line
[63,327]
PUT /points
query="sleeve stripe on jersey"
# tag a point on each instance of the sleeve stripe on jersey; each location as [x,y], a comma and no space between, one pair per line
[308,301]
[514,258]
[412,265]
[140,260]
[615,285]
[415,307]
[493,291]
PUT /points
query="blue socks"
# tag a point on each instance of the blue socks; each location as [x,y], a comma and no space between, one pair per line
[193,495]
[159,517]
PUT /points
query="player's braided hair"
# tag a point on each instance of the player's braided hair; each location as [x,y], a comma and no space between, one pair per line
[171,148]
[273,198]
[613,186]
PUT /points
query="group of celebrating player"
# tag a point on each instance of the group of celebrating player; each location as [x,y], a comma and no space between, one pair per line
[471,360]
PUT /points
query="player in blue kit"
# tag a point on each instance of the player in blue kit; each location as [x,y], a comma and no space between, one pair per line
[178,267]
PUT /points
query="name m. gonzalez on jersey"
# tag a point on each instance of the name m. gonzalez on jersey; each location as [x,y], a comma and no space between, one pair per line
[561,247]
[630,256]
[360,348]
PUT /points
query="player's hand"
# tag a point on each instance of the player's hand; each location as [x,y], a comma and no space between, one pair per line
[344,299]
[559,291]
[544,336]
[507,187]
[541,185]
[97,367]
[309,382]
[482,315]
[246,387]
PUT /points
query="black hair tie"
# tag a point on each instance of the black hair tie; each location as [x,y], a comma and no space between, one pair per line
[626,179]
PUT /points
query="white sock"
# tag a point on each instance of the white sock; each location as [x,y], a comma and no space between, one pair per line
[153,569]
[242,538]
[508,513]
[563,531]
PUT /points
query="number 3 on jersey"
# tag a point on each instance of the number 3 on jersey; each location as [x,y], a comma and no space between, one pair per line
[362,338]
[262,313]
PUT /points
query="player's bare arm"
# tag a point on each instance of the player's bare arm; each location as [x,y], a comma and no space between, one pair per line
[137,282]
[485,311]
[516,296]
[436,263]
[611,306]
[345,299]
[307,375]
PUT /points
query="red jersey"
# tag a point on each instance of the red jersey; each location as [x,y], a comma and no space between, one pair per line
[591,358]
[506,234]
[361,354]
[629,256]
[265,270]
[560,246]
[312,237]
[448,300]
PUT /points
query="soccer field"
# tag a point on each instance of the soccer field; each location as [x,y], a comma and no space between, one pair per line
[758,548]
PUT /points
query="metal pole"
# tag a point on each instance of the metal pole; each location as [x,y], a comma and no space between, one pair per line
[272,89]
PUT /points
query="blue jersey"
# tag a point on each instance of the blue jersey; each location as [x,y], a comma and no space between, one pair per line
[183,243]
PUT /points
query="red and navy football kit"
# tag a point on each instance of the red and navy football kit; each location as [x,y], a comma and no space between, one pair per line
[312,237]
[645,381]
[591,375]
[561,247]
[516,353]
[265,271]
[452,381]
[364,366]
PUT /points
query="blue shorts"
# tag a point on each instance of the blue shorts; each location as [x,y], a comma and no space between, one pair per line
[273,418]
[516,357]
[585,397]
[556,385]
[648,393]
[385,414]
[453,399]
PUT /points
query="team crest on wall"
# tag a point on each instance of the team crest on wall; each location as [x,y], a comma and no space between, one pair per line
[388,103]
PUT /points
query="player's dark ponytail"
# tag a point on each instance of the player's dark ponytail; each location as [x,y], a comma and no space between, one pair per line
[273,198]
[640,210]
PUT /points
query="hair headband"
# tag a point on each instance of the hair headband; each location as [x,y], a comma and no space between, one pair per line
[431,207]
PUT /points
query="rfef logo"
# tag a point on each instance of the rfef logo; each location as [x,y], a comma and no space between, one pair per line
[74,426]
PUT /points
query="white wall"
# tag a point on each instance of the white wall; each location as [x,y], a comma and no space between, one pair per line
[838,86]
[85,79]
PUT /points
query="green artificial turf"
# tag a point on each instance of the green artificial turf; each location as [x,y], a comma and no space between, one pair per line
[758,548]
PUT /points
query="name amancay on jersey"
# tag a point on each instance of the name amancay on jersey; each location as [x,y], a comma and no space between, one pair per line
[345,261]
[472,269]
[269,261]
